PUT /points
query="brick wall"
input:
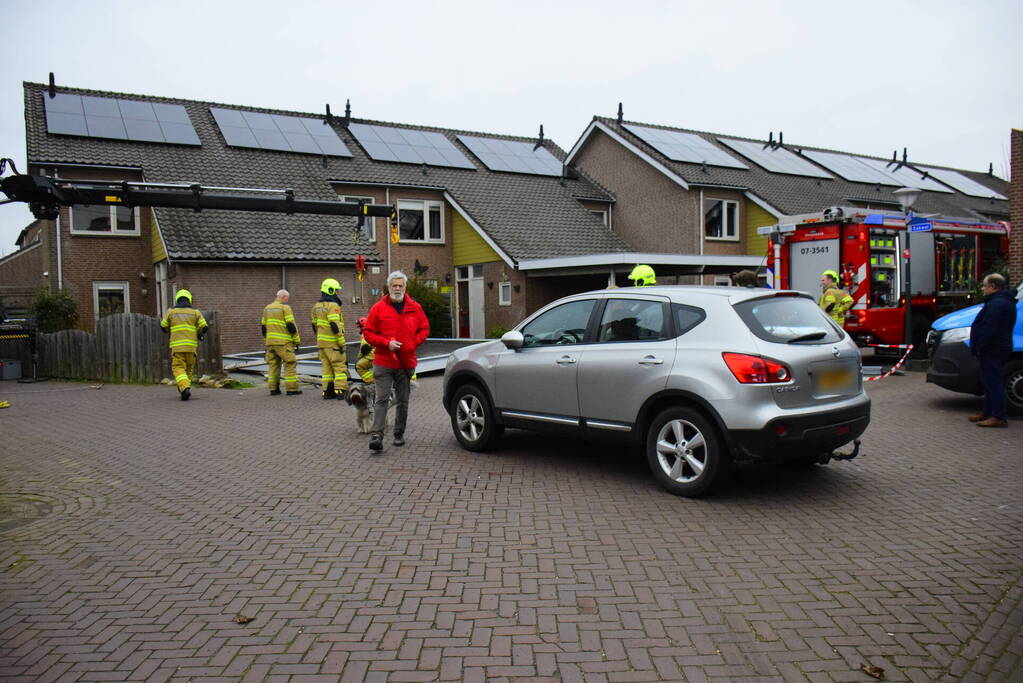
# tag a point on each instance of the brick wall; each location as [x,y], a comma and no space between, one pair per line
[652,213]
[1016,206]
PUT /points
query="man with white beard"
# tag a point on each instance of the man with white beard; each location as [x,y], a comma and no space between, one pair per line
[395,327]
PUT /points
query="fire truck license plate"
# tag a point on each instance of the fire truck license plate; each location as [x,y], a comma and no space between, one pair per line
[835,379]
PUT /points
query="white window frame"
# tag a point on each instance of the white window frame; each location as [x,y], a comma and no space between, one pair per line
[122,285]
[731,235]
[370,221]
[424,205]
[722,281]
[136,221]
[601,214]
[504,292]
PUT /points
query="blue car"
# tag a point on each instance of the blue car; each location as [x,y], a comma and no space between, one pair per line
[954,367]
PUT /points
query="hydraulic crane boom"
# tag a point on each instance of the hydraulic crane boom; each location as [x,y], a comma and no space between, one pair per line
[46,195]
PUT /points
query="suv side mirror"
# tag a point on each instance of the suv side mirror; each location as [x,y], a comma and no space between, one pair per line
[512,340]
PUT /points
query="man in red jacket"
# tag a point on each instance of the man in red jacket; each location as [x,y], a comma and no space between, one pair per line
[395,327]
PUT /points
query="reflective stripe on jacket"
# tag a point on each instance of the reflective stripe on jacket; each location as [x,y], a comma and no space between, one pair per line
[276,317]
[835,303]
[185,324]
[325,313]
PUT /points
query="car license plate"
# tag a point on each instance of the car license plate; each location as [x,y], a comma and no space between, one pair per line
[834,380]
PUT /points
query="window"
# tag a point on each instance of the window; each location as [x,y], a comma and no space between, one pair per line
[109,298]
[564,324]
[632,320]
[421,221]
[686,317]
[601,216]
[722,281]
[788,320]
[371,223]
[504,294]
[111,220]
[721,219]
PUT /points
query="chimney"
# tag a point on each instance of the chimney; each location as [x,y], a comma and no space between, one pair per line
[621,114]
[53,86]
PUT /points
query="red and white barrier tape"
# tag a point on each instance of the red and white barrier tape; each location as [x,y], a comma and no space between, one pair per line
[909,349]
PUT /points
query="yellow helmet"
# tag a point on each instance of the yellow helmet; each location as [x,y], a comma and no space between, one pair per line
[643,275]
[330,286]
[183,293]
[830,273]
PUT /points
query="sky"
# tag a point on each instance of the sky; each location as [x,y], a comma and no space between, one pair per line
[941,78]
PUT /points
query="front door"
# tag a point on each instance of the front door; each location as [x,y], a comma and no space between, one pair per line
[470,302]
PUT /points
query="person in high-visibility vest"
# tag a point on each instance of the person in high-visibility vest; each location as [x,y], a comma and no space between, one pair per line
[282,338]
[329,328]
[643,275]
[364,364]
[835,301]
[186,327]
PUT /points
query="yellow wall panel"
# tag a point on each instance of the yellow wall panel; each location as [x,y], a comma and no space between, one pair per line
[467,246]
[756,245]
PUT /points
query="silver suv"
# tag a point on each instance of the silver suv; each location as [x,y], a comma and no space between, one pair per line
[701,377]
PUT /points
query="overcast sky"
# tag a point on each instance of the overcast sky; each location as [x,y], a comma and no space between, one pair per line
[942,78]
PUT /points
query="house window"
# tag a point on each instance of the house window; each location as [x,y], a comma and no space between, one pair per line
[421,221]
[109,220]
[601,216]
[109,298]
[721,219]
[722,281]
[504,294]
[371,223]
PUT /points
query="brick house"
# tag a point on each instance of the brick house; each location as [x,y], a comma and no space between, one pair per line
[472,207]
[703,195]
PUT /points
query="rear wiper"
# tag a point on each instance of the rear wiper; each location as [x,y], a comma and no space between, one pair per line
[812,336]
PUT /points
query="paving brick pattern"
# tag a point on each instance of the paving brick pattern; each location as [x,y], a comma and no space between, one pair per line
[135,528]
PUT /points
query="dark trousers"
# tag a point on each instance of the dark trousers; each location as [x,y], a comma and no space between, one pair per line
[385,378]
[994,392]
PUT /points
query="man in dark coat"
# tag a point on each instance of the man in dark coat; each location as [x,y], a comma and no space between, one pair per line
[991,343]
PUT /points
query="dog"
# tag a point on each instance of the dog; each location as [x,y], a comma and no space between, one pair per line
[362,397]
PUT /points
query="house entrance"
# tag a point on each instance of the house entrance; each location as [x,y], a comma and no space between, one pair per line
[469,281]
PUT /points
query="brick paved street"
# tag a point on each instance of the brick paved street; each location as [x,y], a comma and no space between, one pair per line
[134,528]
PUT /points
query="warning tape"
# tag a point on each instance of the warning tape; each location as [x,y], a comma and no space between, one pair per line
[13,336]
[909,349]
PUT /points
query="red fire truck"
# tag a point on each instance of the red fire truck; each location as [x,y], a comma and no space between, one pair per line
[867,248]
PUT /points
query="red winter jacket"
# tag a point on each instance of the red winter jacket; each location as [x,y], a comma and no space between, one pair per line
[383,324]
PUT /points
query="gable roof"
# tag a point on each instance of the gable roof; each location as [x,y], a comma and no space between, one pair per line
[526,216]
[786,194]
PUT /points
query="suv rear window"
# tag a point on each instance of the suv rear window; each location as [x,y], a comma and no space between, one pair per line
[788,320]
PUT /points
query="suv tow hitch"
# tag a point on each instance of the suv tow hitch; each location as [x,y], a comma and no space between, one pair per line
[825,458]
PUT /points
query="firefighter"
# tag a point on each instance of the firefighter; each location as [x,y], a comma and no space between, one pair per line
[643,275]
[364,364]
[329,328]
[835,301]
[186,327]
[282,339]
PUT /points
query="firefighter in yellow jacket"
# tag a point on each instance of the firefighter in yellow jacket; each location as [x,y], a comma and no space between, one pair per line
[282,338]
[186,327]
[364,364]
[329,328]
[835,301]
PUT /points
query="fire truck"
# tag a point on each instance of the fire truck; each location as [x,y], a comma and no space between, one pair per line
[868,249]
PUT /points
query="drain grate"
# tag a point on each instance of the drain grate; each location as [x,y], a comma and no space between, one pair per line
[19,509]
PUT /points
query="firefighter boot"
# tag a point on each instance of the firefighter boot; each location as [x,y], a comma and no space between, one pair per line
[186,394]
[329,391]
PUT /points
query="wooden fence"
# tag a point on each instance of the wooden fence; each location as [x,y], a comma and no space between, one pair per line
[127,347]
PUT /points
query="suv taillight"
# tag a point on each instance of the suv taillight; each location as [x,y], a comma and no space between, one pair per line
[755,370]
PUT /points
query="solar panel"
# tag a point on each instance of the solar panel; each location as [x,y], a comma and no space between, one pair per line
[774,159]
[849,168]
[278,132]
[117,119]
[903,175]
[687,147]
[962,183]
[513,156]
[385,143]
